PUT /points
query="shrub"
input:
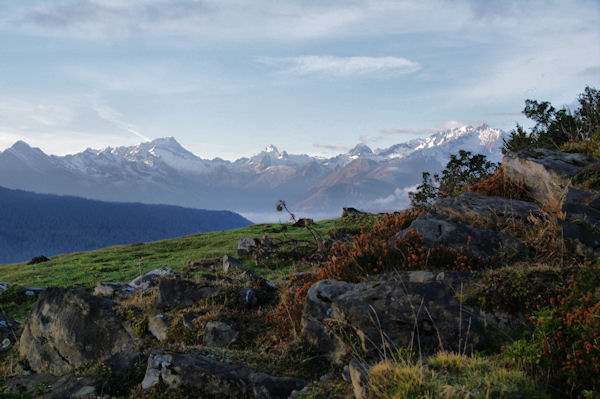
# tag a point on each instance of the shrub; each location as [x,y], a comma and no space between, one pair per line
[462,171]
[501,186]
[559,129]
[565,348]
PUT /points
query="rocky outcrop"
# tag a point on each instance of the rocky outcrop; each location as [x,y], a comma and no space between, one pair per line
[68,328]
[174,293]
[483,243]
[216,379]
[545,173]
[485,209]
[46,386]
[386,315]
[149,279]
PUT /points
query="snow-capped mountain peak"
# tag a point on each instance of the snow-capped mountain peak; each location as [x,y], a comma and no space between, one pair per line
[271,148]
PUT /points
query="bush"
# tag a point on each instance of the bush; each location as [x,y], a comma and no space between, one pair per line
[559,129]
[462,171]
[565,348]
[500,186]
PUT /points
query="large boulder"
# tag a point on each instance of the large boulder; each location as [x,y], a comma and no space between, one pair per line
[47,386]
[545,173]
[483,243]
[487,209]
[388,314]
[174,293]
[216,379]
[68,328]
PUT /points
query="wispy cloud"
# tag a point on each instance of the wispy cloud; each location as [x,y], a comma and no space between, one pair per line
[451,124]
[369,138]
[331,147]
[111,115]
[330,65]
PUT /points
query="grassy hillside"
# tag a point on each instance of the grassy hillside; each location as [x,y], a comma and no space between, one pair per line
[125,262]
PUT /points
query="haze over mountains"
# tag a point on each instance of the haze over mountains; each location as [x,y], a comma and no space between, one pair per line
[162,171]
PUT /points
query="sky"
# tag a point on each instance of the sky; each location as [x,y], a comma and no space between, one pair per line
[228,77]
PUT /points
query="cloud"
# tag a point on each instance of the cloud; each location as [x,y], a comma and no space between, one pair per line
[343,66]
[451,124]
[331,147]
[111,115]
[369,138]
[591,71]
[397,199]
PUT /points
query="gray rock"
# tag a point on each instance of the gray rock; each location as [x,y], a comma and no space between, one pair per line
[158,326]
[54,387]
[581,238]
[545,173]
[173,293]
[116,290]
[421,276]
[230,261]
[351,212]
[149,279]
[472,206]
[439,230]
[303,222]
[3,286]
[68,328]
[214,378]
[247,297]
[246,245]
[32,291]
[359,375]
[123,362]
[9,331]
[263,281]
[218,335]
[388,315]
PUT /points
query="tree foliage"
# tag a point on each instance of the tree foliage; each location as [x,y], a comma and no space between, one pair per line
[555,128]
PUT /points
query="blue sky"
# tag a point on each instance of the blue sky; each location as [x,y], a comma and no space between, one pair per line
[228,77]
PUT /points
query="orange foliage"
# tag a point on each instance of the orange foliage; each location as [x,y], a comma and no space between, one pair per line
[500,186]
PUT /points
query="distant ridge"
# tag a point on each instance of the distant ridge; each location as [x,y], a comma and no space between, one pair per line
[162,171]
[40,224]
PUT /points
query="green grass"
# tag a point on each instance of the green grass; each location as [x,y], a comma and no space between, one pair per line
[125,262]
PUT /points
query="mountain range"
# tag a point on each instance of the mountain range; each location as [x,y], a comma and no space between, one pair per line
[163,172]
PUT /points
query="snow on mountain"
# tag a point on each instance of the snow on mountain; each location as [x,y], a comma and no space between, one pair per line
[163,171]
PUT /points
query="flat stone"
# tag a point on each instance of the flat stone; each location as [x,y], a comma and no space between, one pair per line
[218,335]
[216,379]
[149,279]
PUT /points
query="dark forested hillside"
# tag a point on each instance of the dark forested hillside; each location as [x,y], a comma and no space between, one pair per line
[38,224]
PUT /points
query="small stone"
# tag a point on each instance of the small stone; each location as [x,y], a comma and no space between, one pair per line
[218,334]
[158,326]
[230,261]
[5,343]
[420,276]
[247,297]
[359,374]
[146,280]
[245,246]
[346,374]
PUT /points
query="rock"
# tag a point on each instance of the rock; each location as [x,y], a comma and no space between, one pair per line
[218,335]
[581,238]
[263,281]
[246,245]
[230,261]
[3,286]
[581,227]
[473,206]
[303,222]
[123,362]
[173,293]
[54,387]
[351,212]
[388,315]
[439,230]
[116,290]
[216,379]
[31,291]
[158,326]
[149,279]
[9,331]
[247,297]
[38,259]
[68,328]
[545,173]
[421,276]
[359,375]
[188,320]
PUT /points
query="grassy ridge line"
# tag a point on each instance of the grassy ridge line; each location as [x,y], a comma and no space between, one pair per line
[125,262]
